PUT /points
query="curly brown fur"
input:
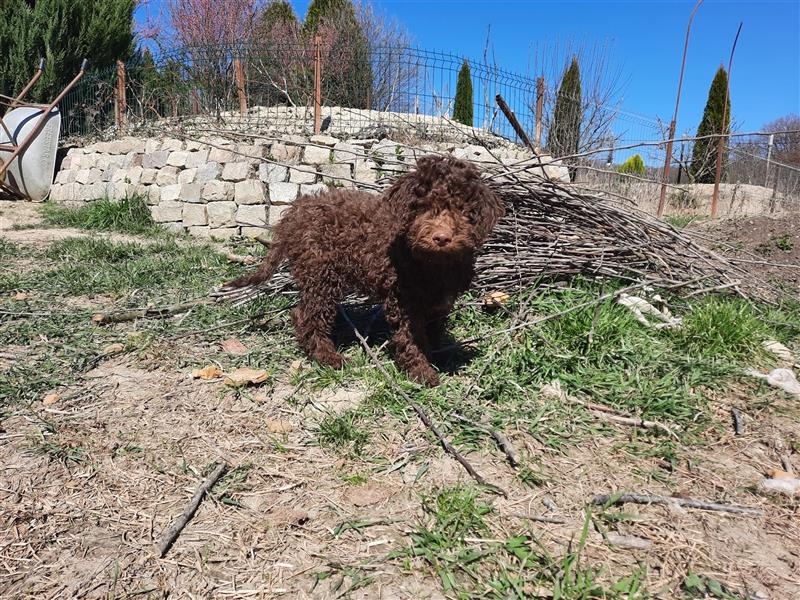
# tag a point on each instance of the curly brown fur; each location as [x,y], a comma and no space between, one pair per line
[412,249]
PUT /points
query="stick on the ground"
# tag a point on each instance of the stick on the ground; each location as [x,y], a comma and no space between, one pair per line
[423,416]
[141,313]
[540,518]
[502,441]
[175,529]
[686,502]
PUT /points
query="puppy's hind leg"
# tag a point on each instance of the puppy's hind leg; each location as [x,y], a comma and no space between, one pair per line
[313,321]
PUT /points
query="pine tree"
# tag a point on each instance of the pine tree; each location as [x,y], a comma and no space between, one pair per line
[704,154]
[277,13]
[63,32]
[564,133]
[462,110]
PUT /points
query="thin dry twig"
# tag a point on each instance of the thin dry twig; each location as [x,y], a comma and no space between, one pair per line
[502,441]
[141,313]
[608,499]
[423,416]
[175,529]
[540,518]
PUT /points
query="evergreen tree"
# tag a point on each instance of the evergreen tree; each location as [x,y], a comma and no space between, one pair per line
[63,32]
[462,110]
[320,11]
[347,70]
[277,14]
[564,133]
[704,154]
[633,166]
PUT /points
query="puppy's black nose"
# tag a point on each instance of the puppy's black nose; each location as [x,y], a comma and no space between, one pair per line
[441,238]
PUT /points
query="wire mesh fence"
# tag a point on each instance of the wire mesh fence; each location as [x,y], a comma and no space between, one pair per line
[372,91]
[273,86]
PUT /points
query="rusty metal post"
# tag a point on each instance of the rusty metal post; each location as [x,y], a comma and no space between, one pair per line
[671,136]
[317,84]
[722,134]
[238,73]
[539,107]
[122,101]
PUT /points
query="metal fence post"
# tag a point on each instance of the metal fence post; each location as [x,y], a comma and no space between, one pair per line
[121,107]
[317,84]
[539,106]
[238,72]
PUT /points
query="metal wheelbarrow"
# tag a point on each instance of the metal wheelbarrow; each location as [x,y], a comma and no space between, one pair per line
[29,141]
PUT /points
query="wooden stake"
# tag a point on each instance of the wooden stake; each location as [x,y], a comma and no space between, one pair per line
[238,71]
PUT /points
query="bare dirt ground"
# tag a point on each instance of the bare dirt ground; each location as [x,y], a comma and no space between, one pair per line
[772,239]
[90,482]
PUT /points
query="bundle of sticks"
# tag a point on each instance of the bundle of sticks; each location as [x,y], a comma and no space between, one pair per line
[554,231]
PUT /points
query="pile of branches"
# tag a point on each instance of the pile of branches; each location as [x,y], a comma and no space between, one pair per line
[553,231]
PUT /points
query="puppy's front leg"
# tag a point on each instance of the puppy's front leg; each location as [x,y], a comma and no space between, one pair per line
[410,342]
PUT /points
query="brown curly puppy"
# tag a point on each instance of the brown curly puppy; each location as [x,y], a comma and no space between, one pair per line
[413,249]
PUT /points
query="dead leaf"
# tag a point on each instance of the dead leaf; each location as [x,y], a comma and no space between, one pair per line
[366,495]
[113,349]
[279,426]
[495,299]
[779,474]
[245,376]
[234,346]
[50,399]
[282,517]
[207,372]
[20,296]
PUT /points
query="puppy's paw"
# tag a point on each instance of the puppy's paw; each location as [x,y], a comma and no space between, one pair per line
[425,375]
[331,359]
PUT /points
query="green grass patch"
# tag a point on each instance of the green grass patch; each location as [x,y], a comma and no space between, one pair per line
[681,221]
[343,431]
[457,542]
[719,328]
[128,215]
[85,265]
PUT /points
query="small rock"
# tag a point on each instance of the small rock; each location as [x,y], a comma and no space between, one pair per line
[279,426]
[113,349]
[790,487]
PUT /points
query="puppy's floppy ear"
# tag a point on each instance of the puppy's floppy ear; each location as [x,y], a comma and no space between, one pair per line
[489,209]
[404,194]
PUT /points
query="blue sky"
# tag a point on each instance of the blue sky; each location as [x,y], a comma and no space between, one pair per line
[646,42]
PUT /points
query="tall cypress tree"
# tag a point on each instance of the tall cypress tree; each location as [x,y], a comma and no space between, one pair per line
[63,32]
[565,130]
[462,110]
[704,154]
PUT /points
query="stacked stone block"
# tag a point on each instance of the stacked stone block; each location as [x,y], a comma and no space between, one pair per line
[217,188]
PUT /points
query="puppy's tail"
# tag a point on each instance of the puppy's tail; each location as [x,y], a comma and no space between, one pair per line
[248,287]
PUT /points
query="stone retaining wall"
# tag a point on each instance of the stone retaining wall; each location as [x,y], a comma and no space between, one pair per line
[220,188]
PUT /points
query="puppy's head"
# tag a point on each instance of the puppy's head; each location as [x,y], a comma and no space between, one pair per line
[443,207]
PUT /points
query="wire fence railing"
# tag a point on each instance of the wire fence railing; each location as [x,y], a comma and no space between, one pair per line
[361,89]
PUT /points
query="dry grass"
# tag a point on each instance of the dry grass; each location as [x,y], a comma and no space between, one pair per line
[336,490]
